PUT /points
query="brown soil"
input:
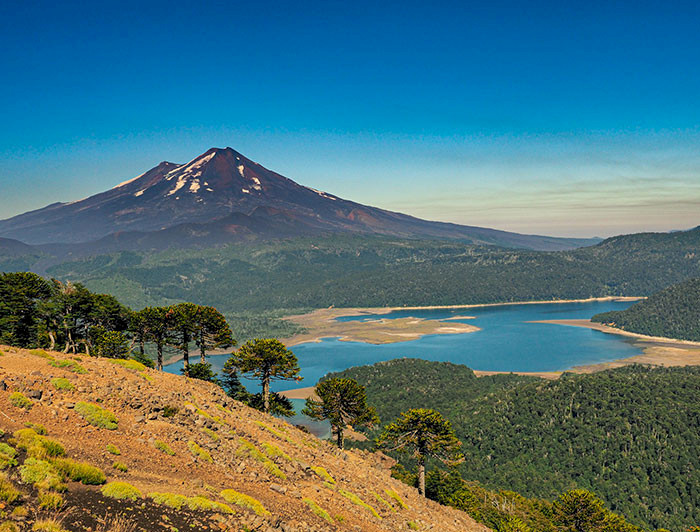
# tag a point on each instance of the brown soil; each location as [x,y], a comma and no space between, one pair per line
[138,400]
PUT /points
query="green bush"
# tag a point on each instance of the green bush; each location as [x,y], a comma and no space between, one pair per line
[8,493]
[359,502]
[48,525]
[48,500]
[197,451]
[113,449]
[69,365]
[120,466]
[391,493]
[315,508]
[21,401]
[36,427]
[40,353]
[9,526]
[173,500]
[245,501]
[7,456]
[252,451]
[80,471]
[97,416]
[163,447]
[38,446]
[129,364]
[61,383]
[121,490]
[325,475]
[42,474]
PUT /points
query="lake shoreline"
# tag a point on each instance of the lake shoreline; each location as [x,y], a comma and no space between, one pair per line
[322,323]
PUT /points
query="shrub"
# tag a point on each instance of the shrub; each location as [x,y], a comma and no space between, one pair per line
[213,435]
[21,401]
[38,446]
[48,500]
[129,364]
[315,508]
[177,502]
[49,525]
[121,490]
[252,451]
[273,452]
[198,452]
[42,474]
[172,500]
[9,526]
[40,353]
[244,501]
[120,466]
[169,411]
[391,493]
[384,501]
[113,449]
[61,383]
[80,471]
[202,503]
[163,447]
[412,525]
[97,416]
[69,365]
[359,502]
[36,427]
[8,493]
[7,456]
[325,475]
[20,511]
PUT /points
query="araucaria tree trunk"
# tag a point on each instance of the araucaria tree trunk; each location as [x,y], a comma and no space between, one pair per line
[266,393]
[341,437]
[160,356]
[421,475]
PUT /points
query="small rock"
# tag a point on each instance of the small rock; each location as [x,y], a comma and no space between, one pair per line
[139,419]
[34,394]
[278,488]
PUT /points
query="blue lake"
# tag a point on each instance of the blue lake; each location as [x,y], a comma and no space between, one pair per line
[506,342]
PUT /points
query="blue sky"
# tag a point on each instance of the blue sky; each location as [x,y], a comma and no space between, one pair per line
[560,118]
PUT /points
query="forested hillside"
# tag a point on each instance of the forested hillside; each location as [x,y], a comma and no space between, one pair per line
[374,271]
[673,313]
[630,435]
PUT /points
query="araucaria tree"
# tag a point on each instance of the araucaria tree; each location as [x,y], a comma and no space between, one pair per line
[158,327]
[424,433]
[211,331]
[342,402]
[184,322]
[267,360]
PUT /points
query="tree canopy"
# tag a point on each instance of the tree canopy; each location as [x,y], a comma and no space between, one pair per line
[342,402]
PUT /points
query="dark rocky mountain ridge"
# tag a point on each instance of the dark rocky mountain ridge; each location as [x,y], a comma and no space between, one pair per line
[222,196]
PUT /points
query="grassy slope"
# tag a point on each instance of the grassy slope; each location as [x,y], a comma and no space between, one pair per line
[252,453]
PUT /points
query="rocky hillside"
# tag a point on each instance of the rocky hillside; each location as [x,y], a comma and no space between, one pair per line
[99,444]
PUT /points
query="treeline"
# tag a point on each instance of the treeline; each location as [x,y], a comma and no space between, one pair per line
[673,313]
[375,271]
[36,312]
[630,435]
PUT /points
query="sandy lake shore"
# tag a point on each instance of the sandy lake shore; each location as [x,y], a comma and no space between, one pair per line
[321,323]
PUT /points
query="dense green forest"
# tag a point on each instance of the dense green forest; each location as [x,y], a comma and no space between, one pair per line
[630,435]
[673,312]
[253,284]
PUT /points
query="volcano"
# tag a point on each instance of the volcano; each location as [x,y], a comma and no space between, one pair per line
[221,197]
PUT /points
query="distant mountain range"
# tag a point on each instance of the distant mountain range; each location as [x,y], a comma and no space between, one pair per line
[222,197]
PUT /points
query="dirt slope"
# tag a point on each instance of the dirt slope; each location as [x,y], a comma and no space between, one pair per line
[251,453]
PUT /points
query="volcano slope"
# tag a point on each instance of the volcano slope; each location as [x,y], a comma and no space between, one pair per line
[184,456]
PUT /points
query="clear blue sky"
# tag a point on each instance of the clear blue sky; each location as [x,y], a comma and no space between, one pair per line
[578,118]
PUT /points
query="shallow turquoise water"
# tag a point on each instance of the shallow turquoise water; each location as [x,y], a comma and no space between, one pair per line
[506,342]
